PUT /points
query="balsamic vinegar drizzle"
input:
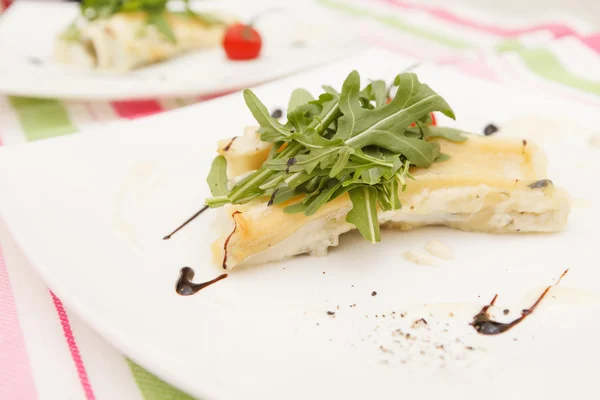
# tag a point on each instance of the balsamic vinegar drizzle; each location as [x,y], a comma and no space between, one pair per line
[186,222]
[185,286]
[484,325]
[226,148]
[224,265]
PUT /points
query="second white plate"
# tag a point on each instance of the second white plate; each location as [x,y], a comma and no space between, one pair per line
[296,36]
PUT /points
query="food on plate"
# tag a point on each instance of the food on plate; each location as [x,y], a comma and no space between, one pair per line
[242,42]
[351,160]
[122,36]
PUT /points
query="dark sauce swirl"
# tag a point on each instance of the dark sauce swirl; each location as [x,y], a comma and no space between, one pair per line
[485,325]
[185,286]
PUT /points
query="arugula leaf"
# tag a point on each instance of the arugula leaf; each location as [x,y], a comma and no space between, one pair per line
[442,157]
[299,97]
[454,135]
[217,177]
[271,129]
[284,194]
[376,91]
[351,141]
[364,212]
[388,196]
[72,33]
[158,20]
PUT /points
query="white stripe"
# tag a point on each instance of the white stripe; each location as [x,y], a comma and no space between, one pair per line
[52,366]
[10,127]
[79,115]
[107,369]
[102,111]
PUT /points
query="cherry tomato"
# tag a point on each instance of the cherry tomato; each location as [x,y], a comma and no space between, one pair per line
[242,42]
[433,121]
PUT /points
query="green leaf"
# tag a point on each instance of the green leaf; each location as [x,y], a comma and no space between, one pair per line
[330,90]
[297,179]
[379,92]
[217,177]
[371,176]
[272,130]
[315,189]
[295,208]
[72,33]
[391,189]
[299,97]
[364,212]
[454,135]
[158,20]
[302,116]
[352,141]
[350,106]
[417,151]
[343,156]
[412,101]
[442,157]
[376,91]
[322,198]
[284,194]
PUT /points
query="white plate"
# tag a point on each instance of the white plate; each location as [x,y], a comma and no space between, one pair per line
[28,69]
[90,210]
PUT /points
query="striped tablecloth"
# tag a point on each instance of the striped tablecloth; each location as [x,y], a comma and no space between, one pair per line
[48,353]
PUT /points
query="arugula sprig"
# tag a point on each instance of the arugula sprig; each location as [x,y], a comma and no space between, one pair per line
[351,142]
[155,10]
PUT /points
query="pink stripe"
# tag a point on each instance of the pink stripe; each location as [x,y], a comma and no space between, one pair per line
[16,377]
[66,326]
[136,109]
[557,30]
[478,67]
[421,52]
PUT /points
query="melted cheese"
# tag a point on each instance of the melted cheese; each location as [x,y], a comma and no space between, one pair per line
[125,41]
[483,187]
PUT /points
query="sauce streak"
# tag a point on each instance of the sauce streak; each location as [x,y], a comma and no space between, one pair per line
[186,222]
[226,148]
[484,325]
[185,286]
[224,265]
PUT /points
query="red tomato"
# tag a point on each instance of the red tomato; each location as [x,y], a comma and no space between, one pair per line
[242,42]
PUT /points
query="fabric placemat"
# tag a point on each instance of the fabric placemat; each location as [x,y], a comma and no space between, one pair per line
[48,353]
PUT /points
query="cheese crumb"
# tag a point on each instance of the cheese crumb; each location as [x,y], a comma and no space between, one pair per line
[439,249]
[418,257]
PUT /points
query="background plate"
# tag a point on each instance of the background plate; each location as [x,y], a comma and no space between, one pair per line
[295,35]
[90,210]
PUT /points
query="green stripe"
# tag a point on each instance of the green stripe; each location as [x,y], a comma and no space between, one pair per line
[42,118]
[399,24]
[545,64]
[540,61]
[152,388]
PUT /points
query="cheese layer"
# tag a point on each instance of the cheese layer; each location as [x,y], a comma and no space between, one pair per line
[125,41]
[489,184]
